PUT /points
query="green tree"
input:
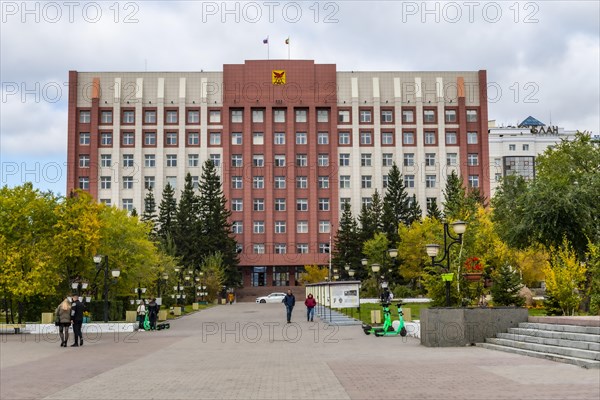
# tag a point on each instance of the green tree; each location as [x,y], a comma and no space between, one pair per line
[433,211]
[187,229]
[215,275]
[414,212]
[214,223]
[509,212]
[565,278]
[395,205]
[149,215]
[593,267]
[376,210]
[454,198]
[167,216]
[347,244]
[507,284]
[368,223]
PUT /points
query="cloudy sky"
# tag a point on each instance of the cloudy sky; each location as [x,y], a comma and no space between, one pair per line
[542,57]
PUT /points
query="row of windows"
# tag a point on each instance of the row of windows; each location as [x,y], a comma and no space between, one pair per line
[171,116]
[170,139]
[258,227]
[408,116]
[106,160]
[280,204]
[279,115]
[408,138]
[282,248]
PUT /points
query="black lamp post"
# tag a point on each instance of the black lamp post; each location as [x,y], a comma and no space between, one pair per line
[459,228]
[179,287]
[392,253]
[139,290]
[163,278]
[103,260]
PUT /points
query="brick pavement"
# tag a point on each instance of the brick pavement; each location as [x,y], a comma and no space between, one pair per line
[246,351]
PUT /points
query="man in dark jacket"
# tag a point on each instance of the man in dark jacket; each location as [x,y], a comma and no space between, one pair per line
[77,309]
[290,301]
[153,308]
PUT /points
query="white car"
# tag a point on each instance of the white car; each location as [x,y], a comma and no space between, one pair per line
[272,298]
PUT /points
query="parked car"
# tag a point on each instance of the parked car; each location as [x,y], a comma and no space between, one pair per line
[272,298]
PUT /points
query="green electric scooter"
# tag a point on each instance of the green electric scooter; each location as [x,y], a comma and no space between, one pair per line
[387,329]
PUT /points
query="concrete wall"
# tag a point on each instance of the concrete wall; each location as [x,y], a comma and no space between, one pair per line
[455,327]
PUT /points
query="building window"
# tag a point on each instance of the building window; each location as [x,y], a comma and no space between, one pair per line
[84,117]
[344,181]
[128,182]
[474,181]
[472,159]
[193,117]
[300,115]
[128,139]
[106,139]
[344,160]
[105,160]
[214,116]
[366,181]
[525,147]
[323,160]
[236,160]
[387,116]
[323,204]
[215,138]
[365,159]
[258,160]
[278,116]
[149,117]
[498,177]
[409,159]
[324,248]
[323,182]
[301,182]
[451,138]
[280,160]
[237,205]
[105,182]
[280,248]
[237,227]
[429,137]
[302,227]
[344,116]
[428,116]
[236,138]
[149,160]
[450,116]
[409,181]
[215,159]
[171,139]
[430,181]
[471,137]
[106,117]
[471,115]
[171,160]
[430,159]
[365,138]
[172,181]
[408,116]
[258,227]
[84,183]
[301,160]
[84,138]
[128,160]
[512,147]
[386,179]
[301,138]
[237,116]
[258,138]
[258,182]
[149,138]
[365,116]
[258,205]
[323,138]
[280,204]
[193,160]
[236,182]
[408,137]
[84,161]
[324,227]
[128,204]
[258,116]
[322,115]
[301,205]
[279,138]
[387,159]
[193,139]
[280,226]
[344,138]
[452,159]
[302,248]
[171,117]
[387,138]
[149,182]
[128,117]
[343,201]
[279,182]
[366,201]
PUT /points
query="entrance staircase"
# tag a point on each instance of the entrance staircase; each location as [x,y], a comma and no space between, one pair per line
[570,340]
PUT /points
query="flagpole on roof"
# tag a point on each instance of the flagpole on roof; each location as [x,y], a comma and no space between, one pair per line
[288,45]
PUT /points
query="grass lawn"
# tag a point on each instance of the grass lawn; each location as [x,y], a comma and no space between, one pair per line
[188,309]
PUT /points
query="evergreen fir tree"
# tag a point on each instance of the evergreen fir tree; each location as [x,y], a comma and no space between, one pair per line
[214,223]
[414,212]
[476,199]
[186,231]
[433,211]
[368,226]
[167,214]
[347,245]
[149,214]
[376,210]
[505,290]
[454,198]
[395,205]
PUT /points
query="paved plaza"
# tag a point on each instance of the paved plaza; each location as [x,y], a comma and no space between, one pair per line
[247,351]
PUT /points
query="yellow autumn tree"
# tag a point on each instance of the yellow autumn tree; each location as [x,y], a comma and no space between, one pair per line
[565,277]
[531,262]
[313,274]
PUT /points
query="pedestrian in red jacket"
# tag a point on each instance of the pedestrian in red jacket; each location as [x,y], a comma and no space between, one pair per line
[310,304]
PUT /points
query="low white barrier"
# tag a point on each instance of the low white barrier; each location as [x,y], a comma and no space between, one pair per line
[88,328]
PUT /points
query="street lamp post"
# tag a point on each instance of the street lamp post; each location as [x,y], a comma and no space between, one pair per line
[164,277]
[139,290]
[179,295]
[433,249]
[100,260]
[392,253]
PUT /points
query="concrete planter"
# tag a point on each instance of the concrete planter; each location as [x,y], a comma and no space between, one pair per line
[456,327]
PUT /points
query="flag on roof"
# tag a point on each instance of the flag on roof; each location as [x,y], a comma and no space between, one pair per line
[287,41]
[266,41]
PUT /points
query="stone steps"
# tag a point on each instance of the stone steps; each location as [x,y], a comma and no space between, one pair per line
[573,344]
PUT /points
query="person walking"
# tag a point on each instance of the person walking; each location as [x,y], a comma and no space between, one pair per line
[310,304]
[153,308]
[63,320]
[290,301]
[141,314]
[77,309]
